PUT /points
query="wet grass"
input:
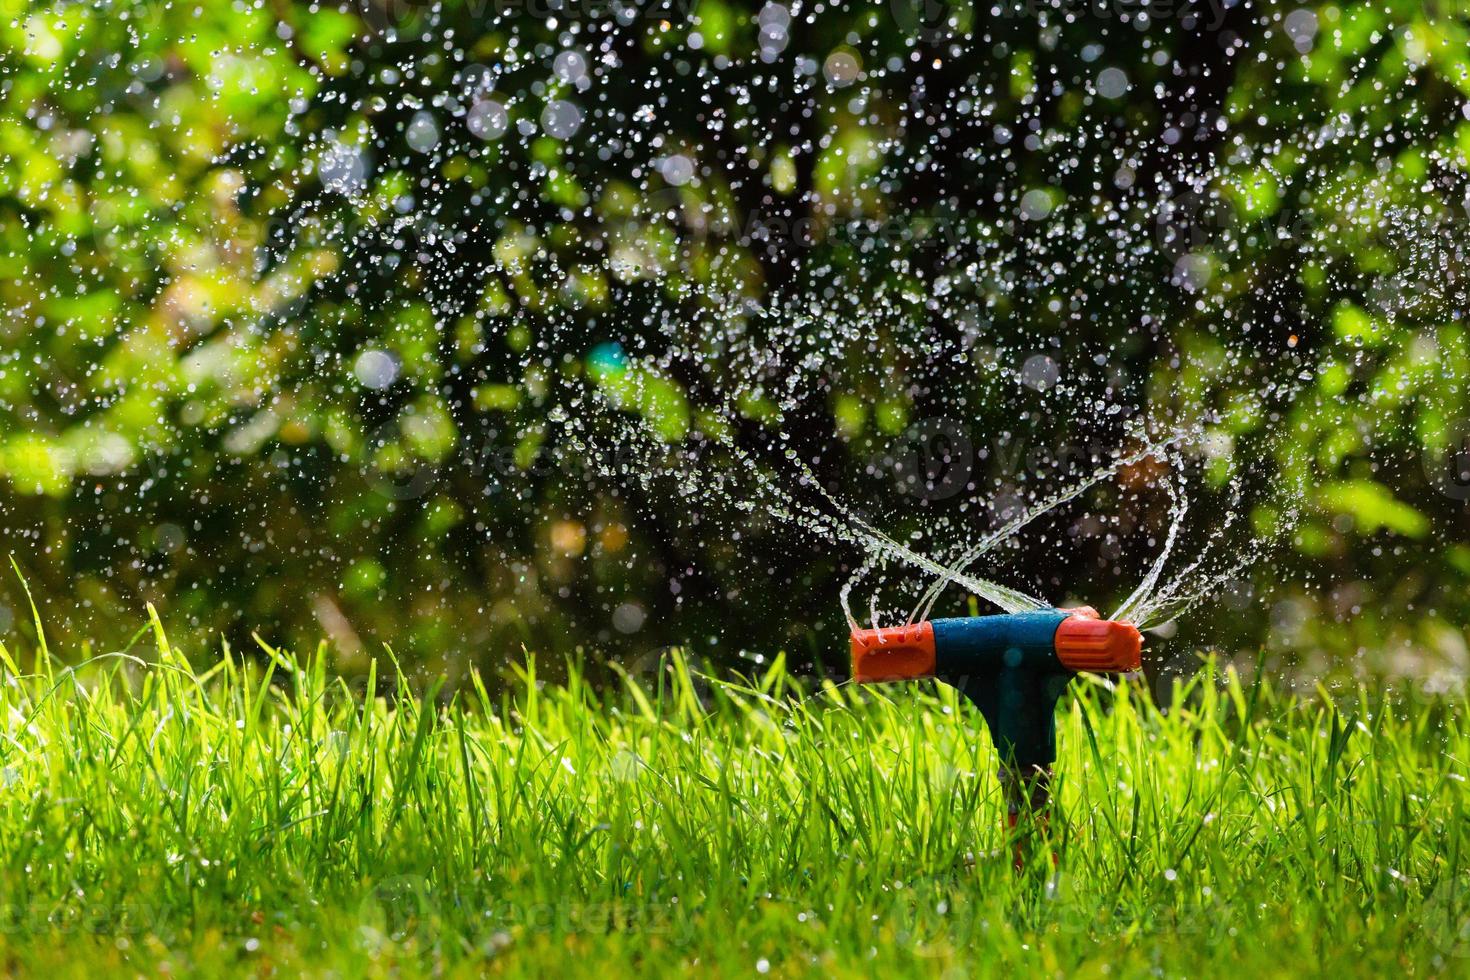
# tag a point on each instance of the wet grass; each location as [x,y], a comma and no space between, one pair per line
[163,812]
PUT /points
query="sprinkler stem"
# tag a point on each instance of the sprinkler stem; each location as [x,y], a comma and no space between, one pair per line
[1028,809]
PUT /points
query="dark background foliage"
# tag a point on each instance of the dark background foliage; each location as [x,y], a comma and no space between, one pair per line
[286,333]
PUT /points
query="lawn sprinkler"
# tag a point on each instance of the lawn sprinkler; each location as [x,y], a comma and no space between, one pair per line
[1014,668]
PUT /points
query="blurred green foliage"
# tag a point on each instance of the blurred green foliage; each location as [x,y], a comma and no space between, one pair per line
[189,410]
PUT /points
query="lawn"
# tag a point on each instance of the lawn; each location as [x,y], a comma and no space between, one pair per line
[175,810]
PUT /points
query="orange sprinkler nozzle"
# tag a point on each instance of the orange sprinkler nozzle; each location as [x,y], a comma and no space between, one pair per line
[897,653]
[1098,645]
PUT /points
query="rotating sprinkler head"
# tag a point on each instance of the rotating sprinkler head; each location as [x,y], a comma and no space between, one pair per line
[1013,667]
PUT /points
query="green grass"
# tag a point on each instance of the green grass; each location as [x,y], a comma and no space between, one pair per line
[224,817]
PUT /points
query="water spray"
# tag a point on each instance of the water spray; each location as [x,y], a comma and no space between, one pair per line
[1014,668]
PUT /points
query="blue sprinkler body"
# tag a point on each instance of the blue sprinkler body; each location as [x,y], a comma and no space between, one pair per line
[1014,667]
